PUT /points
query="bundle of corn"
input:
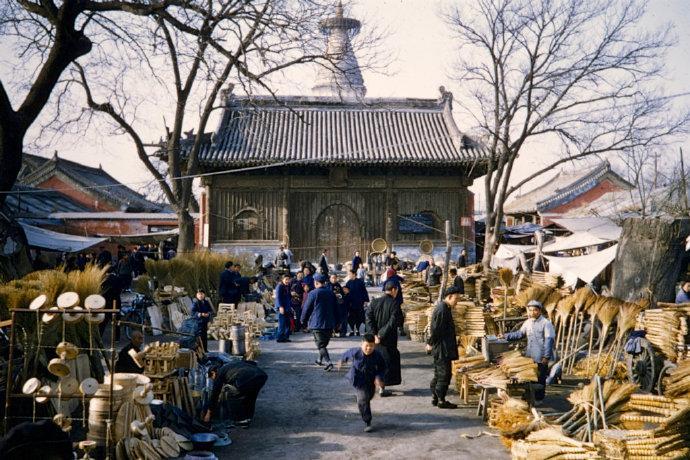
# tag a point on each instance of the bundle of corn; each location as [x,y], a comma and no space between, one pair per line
[677,383]
[592,403]
[518,367]
[664,330]
[551,443]
[513,418]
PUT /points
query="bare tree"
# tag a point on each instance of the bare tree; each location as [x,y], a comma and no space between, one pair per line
[191,55]
[577,73]
[49,35]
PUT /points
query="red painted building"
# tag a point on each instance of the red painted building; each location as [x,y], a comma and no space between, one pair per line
[565,191]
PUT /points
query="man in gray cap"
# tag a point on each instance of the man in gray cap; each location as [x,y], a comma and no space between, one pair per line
[443,346]
[541,336]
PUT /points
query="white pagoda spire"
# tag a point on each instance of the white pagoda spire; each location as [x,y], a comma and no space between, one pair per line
[341,77]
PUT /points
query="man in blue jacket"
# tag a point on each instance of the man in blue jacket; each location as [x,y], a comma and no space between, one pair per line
[283,305]
[202,312]
[319,313]
[356,298]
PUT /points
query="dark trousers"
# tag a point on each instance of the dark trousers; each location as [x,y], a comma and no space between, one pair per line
[442,374]
[297,309]
[543,372]
[243,404]
[322,337]
[283,327]
[364,397]
[355,319]
[203,333]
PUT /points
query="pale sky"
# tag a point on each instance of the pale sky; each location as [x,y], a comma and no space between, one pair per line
[423,53]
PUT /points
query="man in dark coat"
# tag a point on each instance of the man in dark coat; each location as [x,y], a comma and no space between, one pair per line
[457,280]
[443,346]
[357,296]
[383,317]
[246,380]
[125,362]
[319,313]
[296,298]
[323,262]
[356,261]
[227,287]
[202,313]
[283,305]
[462,260]
[341,318]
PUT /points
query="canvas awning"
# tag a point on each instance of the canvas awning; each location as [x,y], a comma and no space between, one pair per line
[574,241]
[54,241]
[144,238]
[585,268]
[508,255]
[600,227]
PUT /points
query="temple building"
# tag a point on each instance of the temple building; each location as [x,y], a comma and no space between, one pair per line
[336,169]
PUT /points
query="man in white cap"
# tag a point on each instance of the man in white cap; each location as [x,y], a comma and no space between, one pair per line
[541,336]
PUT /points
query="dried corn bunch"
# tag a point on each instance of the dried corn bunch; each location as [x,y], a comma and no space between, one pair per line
[551,443]
[664,330]
[677,384]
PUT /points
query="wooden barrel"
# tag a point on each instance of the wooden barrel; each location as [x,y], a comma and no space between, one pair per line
[99,408]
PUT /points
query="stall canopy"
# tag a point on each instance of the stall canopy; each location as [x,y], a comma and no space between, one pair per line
[585,268]
[508,255]
[144,238]
[600,227]
[54,241]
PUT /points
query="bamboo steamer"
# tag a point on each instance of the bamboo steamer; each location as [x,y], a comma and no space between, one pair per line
[128,382]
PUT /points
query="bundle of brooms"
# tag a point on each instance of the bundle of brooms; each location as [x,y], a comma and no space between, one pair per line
[513,418]
[664,330]
[518,367]
[677,383]
[551,443]
[595,406]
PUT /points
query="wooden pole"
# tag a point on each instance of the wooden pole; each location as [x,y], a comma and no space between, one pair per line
[683,180]
[444,280]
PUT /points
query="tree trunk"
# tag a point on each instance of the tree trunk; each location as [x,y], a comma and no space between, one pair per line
[185,240]
[489,241]
[11,143]
[649,258]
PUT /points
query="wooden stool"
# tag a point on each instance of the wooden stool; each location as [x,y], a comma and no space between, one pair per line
[483,404]
[464,388]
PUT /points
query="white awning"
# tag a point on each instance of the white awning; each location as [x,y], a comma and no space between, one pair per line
[600,227]
[574,241]
[54,241]
[508,255]
[585,268]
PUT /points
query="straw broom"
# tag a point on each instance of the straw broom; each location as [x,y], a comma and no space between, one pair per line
[505,275]
[589,298]
[579,298]
[565,305]
[605,315]
[626,321]
[593,312]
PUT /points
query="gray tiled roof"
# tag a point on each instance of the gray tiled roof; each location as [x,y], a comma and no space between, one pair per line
[328,131]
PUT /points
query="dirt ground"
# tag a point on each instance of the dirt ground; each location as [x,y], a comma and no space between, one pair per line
[303,412]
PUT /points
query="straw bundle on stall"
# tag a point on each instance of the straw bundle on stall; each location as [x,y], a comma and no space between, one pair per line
[513,419]
[518,367]
[585,367]
[677,384]
[664,330]
[551,443]
[538,292]
[606,314]
[492,376]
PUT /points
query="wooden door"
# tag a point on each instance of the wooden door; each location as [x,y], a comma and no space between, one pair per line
[338,229]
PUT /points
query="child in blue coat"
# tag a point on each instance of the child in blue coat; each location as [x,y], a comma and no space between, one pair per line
[365,374]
